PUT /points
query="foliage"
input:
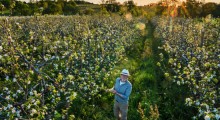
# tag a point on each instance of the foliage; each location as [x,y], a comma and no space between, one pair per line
[50,63]
[193,49]
[114,7]
[70,9]
[21,9]
[174,8]
[53,9]
[6,3]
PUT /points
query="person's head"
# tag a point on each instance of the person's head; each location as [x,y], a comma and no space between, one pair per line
[124,74]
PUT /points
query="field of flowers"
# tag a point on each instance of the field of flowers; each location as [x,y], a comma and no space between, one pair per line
[193,47]
[58,67]
[47,62]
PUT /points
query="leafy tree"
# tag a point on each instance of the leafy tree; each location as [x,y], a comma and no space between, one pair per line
[11,6]
[2,7]
[34,8]
[209,8]
[194,8]
[53,9]
[216,12]
[21,8]
[43,4]
[6,3]
[70,8]
[193,61]
[160,8]
[113,7]
[89,11]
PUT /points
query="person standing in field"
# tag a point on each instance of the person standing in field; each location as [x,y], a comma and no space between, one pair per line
[122,90]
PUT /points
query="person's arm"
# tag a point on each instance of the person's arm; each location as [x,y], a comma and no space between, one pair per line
[127,93]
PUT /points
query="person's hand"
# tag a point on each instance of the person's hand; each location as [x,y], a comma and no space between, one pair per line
[111,90]
[114,91]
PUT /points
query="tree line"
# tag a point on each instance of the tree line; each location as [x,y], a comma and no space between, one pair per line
[175,8]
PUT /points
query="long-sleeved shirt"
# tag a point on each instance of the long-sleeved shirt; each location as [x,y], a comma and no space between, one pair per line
[123,89]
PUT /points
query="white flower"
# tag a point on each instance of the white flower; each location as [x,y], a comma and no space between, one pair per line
[7,97]
[74,94]
[56,65]
[197,103]
[9,106]
[0,57]
[207,107]
[178,82]
[31,93]
[5,108]
[29,82]
[18,112]
[5,88]
[200,111]
[67,98]
[207,117]
[18,91]
[194,117]
[13,110]
[183,82]
[194,92]
[188,101]
[72,83]
[213,101]
[32,100]
[218,65]
[217,116]
[33,111]
[14,95]
[215,110]
[29,106]
[35,92]
[7,78]
[53,57]
[85,88]
[14,79]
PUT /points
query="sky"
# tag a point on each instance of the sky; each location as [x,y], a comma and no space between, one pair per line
[138,2]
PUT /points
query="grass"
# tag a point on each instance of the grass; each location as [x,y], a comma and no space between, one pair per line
[141,63]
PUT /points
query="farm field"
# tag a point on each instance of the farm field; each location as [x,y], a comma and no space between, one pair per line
[59,67]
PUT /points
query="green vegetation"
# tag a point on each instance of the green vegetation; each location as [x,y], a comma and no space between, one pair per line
[58,58]
[190,8]
[193,48]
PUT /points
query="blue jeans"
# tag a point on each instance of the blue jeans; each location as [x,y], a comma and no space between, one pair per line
[120,110]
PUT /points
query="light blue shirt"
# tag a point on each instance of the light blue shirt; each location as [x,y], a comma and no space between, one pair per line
[123,89]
